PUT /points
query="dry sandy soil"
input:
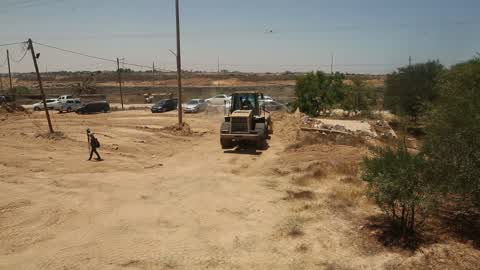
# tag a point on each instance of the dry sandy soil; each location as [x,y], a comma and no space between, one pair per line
[162,201]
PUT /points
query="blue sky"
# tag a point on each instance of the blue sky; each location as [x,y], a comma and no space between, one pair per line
[370,36]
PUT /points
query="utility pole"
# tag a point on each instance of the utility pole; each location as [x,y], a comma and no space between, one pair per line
[179,65]
[153,67]
[34,56]
[120,81]
[409,60]
[331,65]
[9,71]
[218,64]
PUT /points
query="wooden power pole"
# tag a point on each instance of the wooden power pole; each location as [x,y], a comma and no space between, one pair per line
[34,56]
[9,71]
[179,65]
[120,81]
[331,65]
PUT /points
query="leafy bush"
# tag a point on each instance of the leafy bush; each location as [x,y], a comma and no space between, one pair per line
[357,98]
[411,88]
[397,184]
[317,92]
[452,143]
[21,90]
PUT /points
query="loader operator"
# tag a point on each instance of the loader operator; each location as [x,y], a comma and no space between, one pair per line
[246,104]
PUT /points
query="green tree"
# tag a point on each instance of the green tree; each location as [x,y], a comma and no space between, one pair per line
[397,184]
[357,98]
[317,92]
[452,143]
[412,88]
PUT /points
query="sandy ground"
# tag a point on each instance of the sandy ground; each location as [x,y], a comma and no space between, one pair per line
[160,201]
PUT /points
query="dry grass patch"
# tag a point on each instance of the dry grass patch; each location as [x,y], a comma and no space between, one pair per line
[300,195]
[293,227]
[347,168]
[280,172]
[313,173]
[349,179]
[345,196]
[302,248]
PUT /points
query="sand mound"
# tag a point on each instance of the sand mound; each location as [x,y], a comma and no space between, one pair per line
[287,125]
[179,130]
[57,135]
[11,108]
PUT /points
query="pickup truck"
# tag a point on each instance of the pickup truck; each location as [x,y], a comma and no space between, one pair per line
[70,105]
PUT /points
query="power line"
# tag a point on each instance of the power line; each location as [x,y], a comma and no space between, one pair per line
[89,56]
[25,50]
[10,44]
[21,59]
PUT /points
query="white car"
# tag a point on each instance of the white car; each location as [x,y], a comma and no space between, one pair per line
[194,106]
[64,98]
[218,99]
[70,105]
[266,99]
[50,104]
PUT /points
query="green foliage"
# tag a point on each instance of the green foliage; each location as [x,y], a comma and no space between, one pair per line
[452,143]
[21,90]
[412,88]
[125,70]
[397,184]
[317,92]
[357,98]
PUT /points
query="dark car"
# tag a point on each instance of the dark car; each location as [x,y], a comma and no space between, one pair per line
[94,107]
[164,105]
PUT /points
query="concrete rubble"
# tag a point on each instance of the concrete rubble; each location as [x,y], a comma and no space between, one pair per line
[358,128]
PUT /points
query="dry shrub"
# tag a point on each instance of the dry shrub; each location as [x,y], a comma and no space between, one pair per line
[344,196]
[349,179]
[303,247]
[313,173]
[280,172]
[300,195]
[347,168]
[304,180]
[319,173]
[293,227]
[296,169]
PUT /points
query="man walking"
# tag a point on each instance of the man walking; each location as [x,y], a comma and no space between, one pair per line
[94,144]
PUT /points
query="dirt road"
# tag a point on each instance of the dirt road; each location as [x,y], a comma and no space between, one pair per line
[161,201]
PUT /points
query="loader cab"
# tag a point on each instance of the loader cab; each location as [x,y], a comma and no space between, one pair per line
[245,102]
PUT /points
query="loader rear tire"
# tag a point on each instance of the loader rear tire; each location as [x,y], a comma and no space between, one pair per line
[262,132]
[226,143]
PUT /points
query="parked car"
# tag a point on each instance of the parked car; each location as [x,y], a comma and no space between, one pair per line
[70,105]
[273,106]
[266,98]
[94,107]
[64,98]
[50,104]
[164,105]
[195,105]
[218,99]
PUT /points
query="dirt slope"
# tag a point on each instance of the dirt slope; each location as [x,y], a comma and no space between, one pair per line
[160,201]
